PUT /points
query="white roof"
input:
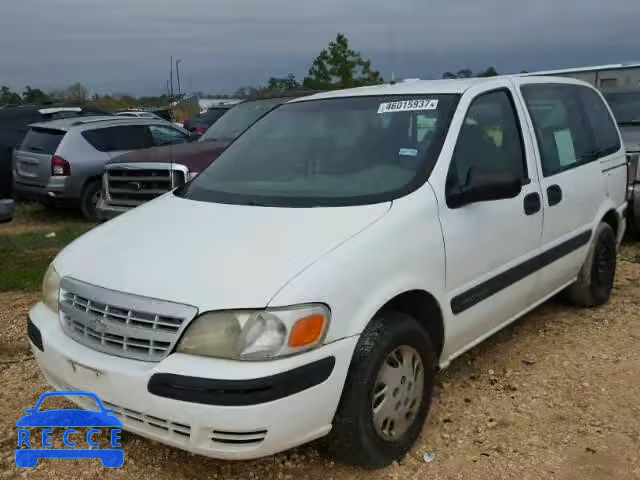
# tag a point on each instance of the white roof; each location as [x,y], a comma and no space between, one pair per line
[427,87]
[593,68]
[417,87]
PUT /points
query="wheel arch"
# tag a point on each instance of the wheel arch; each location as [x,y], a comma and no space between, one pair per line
[425,309]
[611,218]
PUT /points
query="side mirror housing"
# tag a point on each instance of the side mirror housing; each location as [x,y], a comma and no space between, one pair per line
[484,185]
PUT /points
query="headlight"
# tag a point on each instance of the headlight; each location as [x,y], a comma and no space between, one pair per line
[51,288]
[256,334]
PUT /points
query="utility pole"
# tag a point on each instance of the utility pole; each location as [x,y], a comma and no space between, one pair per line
[178,74]
[171,76]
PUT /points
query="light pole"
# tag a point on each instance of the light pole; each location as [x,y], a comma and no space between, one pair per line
[171,76]
[178,74]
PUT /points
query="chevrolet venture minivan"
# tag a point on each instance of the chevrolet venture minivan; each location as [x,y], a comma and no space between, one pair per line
[312,280]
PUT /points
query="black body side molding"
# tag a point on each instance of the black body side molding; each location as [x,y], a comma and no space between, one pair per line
[490,287]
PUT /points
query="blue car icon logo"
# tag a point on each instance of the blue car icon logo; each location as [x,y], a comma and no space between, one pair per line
[68,418]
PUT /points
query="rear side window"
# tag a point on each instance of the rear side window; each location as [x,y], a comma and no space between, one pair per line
[563,131]
[42,140]
[605,133]
[126,137]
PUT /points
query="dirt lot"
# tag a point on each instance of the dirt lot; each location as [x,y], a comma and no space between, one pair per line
[556,395]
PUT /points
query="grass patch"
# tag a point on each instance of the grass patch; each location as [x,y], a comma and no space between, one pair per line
[24,257]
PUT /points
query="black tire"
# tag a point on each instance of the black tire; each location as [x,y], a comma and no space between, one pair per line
[595,280]
[88,201]
[353,438]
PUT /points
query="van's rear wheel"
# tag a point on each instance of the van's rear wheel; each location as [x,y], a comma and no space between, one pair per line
[89,201]
[387,394]
[595,280]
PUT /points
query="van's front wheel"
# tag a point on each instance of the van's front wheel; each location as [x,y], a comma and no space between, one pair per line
[387,394]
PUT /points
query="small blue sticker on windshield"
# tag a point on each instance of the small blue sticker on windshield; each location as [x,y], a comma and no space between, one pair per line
[408,152]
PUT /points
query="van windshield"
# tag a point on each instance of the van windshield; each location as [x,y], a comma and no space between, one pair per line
[330,152]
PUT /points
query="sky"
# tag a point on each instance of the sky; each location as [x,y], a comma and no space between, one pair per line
[124,46]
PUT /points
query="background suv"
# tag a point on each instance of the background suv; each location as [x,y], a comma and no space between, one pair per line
[64,159]
[14,124]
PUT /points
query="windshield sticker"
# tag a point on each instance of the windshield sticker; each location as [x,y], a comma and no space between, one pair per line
[408,106]
[408,152]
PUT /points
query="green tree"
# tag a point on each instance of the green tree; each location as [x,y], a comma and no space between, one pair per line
[489,72]
[281,84]
[338,66]
[464,73]
[449,75]
[75,93]
[34,95]
[8,97]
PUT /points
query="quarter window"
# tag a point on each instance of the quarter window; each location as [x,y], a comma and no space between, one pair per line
[489,139]
[605,133]
[563,132]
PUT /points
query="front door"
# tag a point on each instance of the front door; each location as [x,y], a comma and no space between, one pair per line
[488,244]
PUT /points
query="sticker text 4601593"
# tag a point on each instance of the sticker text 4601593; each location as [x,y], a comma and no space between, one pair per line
[408,105]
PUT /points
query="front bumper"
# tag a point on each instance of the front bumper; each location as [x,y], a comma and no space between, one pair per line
[220,431]
[106,211]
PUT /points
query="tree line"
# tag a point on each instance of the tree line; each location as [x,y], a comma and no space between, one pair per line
[337,66]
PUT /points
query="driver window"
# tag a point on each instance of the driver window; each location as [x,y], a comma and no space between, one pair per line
[166,135]
[489,139]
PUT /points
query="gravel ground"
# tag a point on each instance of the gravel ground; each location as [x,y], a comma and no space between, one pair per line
[555,395]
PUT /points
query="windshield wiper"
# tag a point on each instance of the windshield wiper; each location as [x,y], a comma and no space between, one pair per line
[629,123]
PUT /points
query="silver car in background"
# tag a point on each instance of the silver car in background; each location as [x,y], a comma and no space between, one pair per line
[63,160]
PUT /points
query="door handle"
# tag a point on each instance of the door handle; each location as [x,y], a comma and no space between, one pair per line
[532,203]
[554,195]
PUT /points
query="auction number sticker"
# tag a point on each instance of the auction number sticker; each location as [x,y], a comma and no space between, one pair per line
[408,105]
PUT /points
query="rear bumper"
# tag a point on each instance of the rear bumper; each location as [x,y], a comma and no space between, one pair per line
[6,210]
[107,211]
[58,188]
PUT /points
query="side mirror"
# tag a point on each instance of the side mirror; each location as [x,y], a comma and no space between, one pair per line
[484,185]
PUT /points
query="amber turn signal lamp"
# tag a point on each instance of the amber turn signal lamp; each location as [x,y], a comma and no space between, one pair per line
[307,330]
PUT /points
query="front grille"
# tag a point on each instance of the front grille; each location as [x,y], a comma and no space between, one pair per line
[131,186]
[132,417]
[238,438]
[119,323]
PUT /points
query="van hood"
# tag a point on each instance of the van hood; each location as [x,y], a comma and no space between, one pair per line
[209,255]
[195,156]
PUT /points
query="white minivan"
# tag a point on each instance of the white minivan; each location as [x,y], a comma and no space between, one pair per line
[314,278]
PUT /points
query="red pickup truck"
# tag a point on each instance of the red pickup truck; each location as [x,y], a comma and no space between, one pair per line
[139,176]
